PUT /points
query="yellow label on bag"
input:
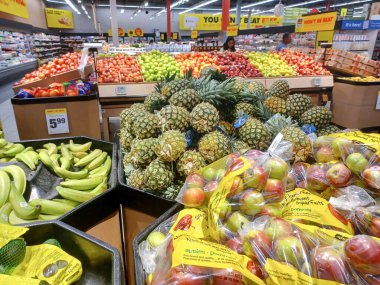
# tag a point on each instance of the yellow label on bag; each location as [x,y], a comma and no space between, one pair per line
[8,233]
[282,274]
[371,140]
[191,222]
[14,280]
[302,205]
[198,252]
[49,263]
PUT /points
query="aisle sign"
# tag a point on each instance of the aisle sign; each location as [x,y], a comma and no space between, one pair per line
[232,31]
[175,36]
[374,25]
[57,18]
[57,122]
[120,32]
[17,8]
[353,25]
[343,12]
[318,22]
[194,34]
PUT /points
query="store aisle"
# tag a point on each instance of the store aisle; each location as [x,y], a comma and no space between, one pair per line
[7,116]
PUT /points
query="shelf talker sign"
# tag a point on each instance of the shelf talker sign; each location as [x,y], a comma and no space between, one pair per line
[120,32]
[232,31]
[57,18]
[57,122]
[194,34]
[135,33]
[17,8]
[317,22]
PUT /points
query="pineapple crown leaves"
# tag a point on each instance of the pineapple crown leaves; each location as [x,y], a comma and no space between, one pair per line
[262,112]
[279,122]
[168,78]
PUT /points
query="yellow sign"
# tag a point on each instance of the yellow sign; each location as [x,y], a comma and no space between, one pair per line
[194,34]
[232,31]
[162,36]
[324,37]
[175,36]
[209,22]
[56,18]
[317,22]
[120,32]
[343,12]
[14,7]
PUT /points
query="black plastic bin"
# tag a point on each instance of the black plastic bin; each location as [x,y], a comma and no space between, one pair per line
[139,271]
[101,262]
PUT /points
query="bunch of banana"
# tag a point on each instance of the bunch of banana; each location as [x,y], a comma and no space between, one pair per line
[17,152]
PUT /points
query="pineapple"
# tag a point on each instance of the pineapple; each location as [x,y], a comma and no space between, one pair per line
[142,153]
[128,117]
[327,130]
[158,175]
[204,118]
[146,126]
[245,108]
[174,118]
[126,139]
[240,146]
[213,146]
[174,86]
[298,104]
[227,127]
[171,145]
[189,162]
[256,87]
[187,99]
[240,84]
[136,179]
[208,70]
[138,106]
[255,134]
[154,101]
[318,116]
[279,88]
[171,192]
[276,105]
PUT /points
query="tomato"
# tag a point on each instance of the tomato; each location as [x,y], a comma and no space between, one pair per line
[53,93]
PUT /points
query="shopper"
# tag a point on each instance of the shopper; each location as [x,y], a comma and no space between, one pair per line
[229,45]
[286,40]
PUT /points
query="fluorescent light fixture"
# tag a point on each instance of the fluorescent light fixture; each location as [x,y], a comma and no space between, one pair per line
[199,6]
[89,16]
[350,3]
[263,12]
[68,2]
[304,3]
[79,1]
[139,11]
[122,11]
[146,4]
[58,2]
[257,4]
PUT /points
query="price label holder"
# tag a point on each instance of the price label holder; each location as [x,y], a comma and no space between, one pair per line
[317,81]
[121,90]
[378,101]
[57,122]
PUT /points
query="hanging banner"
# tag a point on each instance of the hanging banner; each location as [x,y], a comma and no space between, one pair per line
[353,25]
[374,25]
[194,34]
[17,8]
[292,14]
[209,22]
[317,22]
[135,33]
[56,18]
[120,32]
[232,31]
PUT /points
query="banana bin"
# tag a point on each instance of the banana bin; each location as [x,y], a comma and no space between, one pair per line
[100,262]
[41,183]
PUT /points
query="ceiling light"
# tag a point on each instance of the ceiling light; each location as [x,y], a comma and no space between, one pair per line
[131,17]
[139,11]
[146,4]
[198,6]
[304,3]
[79,1]
[122,11]
[89,16]
[257,4]
[350,3]
[82,7]
[68,2]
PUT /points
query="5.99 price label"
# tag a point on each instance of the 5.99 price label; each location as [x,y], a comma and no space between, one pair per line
[57,122]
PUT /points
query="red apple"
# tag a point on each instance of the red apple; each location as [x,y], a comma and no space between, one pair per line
[193,197]
[274,210]
[235,244]
[324,154]
[251,202]
[227,277]
[210,187]
[339,175]
[316,178]
[277,227]
[194,180]
[255,177]
[274,190]
[236,222]
[257,243]
[356,162]
[290,182]
[255,269]
[188,275]
[276,167]
[236,186]
[371,176]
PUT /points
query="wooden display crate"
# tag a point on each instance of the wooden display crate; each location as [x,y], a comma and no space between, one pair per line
[126,89]
[304,81]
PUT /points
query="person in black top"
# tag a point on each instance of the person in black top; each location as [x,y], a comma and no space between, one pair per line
[229,45]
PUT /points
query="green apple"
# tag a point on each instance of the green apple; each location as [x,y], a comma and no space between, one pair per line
[276,167]
[209,173]
[236,222]
[290,250]
[155,239]
[356,162]
[251,202]
[341,145]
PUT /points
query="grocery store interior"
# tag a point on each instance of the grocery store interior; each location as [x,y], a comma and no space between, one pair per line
[184,142]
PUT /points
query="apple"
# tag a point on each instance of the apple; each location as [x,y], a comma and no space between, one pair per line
[235,244]
[276,167]
[324,154]
[251,202]
[367,222]
[255,269]
[236,186]
[255,177]
[273,209]
[155,239]
[316,178]
[227,277]
[289,249]
[274,190]
[236,222]
[209,173]
[339,175]
[356,162]
[219,174]
[341,146]
[328,264]
[256,243]
[188,275]
[210,187]
[290,182]
[277,227]
[194,180]
[322,141]
[375,227]
[371,176]
[193,197]
[363,253]
[224,209]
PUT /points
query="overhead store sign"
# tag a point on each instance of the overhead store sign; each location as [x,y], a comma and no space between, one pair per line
[135,33]
[353,25]
[374,25]
[292,14]
[120,32]
[57,18]
[17,8]
[209,22]
[316,22]
[232,31]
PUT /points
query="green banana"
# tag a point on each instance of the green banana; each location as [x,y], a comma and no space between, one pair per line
[75,195]
[54,158]
[33,155]
[29,148]
[79,147]
[100,188]
[5,210]
[3,142]
[51,148]
[5,187]
[108,164]
[5,159]
[102,170]
[76,159]
[13,219]
[45,158]
[65,152]
[97,161]
[67,202]
[18,177]
[88,158]
[15,149]
[102,173]
[43,217]
[79,154]
[8,146]
[82,184]
[27,160]
[50,207]
[22,209]
[70,174]
[65,162]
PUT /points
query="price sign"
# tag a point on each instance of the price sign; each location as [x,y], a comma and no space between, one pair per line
[378,101]
[57,122]
[194,34]
[317,81]
[121,90]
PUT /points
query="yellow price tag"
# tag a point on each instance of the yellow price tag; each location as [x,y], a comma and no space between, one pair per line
[57,122]
[194,34]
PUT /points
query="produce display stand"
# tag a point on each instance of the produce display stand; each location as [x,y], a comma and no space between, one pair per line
[356,104]
[80,113]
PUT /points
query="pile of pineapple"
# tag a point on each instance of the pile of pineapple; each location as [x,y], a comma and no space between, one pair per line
[188,123]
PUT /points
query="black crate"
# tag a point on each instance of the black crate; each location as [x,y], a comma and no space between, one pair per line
[101,262]
[139,271]
[87,214]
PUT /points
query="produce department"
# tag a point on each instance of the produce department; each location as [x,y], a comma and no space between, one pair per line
[177,143]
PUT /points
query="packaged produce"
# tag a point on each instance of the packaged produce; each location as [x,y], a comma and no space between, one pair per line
[56,90]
